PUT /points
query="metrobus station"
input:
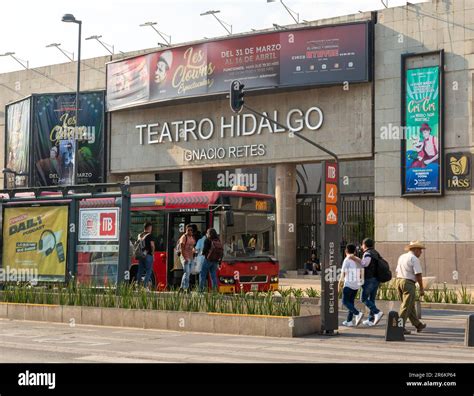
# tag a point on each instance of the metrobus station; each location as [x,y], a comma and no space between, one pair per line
[354,84]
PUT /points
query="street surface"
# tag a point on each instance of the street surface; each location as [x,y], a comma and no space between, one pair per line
[39,342]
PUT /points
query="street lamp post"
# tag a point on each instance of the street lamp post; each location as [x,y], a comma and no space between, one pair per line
[289,10]
[225,25]
[70,18]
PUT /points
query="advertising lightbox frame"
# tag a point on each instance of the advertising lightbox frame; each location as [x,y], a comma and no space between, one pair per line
[441,170]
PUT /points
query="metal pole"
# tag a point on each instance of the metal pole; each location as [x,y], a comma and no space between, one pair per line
[124,244]
[78,88]
[332,154]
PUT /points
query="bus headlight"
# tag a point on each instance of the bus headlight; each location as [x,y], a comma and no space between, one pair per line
[274,279]
[227,280]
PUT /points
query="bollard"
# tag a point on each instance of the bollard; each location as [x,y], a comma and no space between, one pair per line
[394,329]
[469,335]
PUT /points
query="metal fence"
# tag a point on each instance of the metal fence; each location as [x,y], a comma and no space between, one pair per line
[357,216]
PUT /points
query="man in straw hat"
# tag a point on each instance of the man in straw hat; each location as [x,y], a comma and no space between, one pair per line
[409,272]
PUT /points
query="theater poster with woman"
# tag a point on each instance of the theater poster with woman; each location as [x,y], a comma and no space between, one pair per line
[421,152]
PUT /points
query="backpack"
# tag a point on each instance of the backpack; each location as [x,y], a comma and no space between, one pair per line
[216,252]
[382,269]
[139,248]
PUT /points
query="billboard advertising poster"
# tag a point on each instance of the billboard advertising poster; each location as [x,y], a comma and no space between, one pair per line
[35,239]
[18,141]
[54,118]
[421,152]
[309,56]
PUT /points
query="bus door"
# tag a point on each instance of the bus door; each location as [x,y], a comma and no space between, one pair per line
[177,222]
[138,218]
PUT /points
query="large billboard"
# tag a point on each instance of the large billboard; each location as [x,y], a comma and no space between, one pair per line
[17,148]
[54,121]
[422,149]
[35,239]
[309,56]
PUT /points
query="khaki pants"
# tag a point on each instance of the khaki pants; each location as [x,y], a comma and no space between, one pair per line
[407,294]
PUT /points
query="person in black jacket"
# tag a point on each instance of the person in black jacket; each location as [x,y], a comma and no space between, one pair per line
[371,284]
[212,253]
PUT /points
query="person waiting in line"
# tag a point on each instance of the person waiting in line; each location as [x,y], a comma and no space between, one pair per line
[213,252]
[199,257]
[371,284]
[186,248]
[146,264]
[409,272]
[350,283]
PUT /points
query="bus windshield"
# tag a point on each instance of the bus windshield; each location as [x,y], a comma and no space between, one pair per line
[251,236]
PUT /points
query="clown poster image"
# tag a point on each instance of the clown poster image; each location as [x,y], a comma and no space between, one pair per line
[35,240]
[422,149]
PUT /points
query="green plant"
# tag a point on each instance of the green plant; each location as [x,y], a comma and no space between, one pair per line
[466,297]
[313,293]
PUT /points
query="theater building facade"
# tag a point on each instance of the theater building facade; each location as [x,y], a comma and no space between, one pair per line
[390,92]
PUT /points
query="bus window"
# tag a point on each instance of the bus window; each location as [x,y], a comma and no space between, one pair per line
[157,219]
[251,235]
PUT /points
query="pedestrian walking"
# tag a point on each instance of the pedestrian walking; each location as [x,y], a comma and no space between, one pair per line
[371,284]
[409,272]
[350,282]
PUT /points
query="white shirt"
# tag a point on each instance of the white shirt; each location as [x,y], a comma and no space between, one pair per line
[408,266]
[351,271]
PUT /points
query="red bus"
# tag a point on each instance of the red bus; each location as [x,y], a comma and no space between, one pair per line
[238,218]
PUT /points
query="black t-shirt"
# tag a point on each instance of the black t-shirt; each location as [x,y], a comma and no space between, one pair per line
[148,240]
[369,271]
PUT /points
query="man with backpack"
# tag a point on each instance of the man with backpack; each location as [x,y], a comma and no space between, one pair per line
[213,252]
[370,261]
[143,250]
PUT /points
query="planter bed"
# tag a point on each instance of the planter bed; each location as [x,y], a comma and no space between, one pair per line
[263,325]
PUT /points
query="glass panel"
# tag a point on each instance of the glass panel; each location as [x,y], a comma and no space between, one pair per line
[252,235]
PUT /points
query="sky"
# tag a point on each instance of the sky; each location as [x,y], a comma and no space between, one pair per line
[27,26]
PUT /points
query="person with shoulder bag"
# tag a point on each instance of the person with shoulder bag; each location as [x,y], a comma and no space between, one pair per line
[213,252]
[186,254]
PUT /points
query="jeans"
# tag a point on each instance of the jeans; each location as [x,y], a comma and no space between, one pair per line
[186,272]
[348,297]
[145,265]
[369,292]
[208,266]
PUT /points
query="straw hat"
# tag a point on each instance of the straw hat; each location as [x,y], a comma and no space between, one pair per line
[415,245]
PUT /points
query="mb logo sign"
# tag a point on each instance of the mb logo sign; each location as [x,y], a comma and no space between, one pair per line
[99,224]
[330,247]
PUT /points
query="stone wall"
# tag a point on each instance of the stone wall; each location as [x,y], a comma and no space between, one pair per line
[444,223]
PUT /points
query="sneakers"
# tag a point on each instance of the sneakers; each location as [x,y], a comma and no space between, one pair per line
[358,318]
[377,317]
[367,322]
[347,324]
[406,332]
[420,328]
